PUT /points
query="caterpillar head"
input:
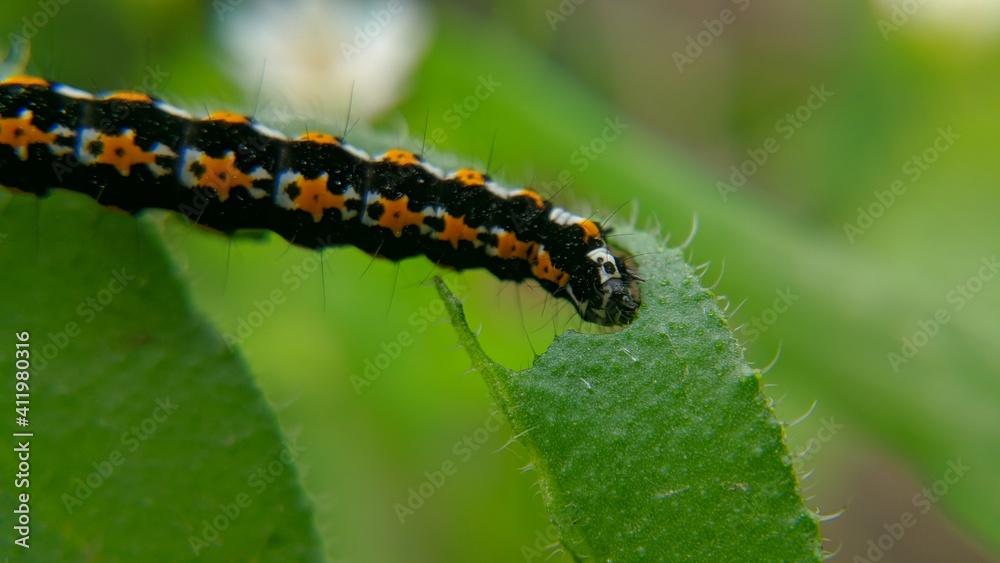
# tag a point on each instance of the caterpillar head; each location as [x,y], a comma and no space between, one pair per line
[612,290]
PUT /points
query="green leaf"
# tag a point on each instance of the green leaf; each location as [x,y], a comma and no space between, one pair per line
[856,299]
[148,433]
[656,442]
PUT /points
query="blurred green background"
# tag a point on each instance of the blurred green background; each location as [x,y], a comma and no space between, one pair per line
[834,102]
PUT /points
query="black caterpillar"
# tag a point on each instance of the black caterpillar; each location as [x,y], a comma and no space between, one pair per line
[227,172]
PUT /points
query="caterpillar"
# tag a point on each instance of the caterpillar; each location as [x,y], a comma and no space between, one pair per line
[227,172]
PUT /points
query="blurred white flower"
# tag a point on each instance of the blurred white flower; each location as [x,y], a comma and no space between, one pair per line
[317,50]
[971,20]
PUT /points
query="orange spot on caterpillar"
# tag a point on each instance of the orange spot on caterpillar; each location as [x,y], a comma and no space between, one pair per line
[543,269]
[456,230]
[400,157]
[590,229]
[19,133]
[130,97]
[321,138]
[508,246]
[470,177]
[229,117]
[24,81]
[397,215]
[539,201]
[315,197]
[121,152]
[222,175]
